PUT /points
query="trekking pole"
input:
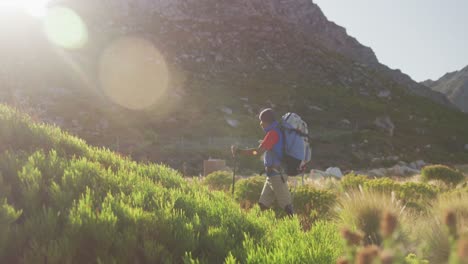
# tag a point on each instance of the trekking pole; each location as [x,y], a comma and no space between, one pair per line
[234,175]
[303,173]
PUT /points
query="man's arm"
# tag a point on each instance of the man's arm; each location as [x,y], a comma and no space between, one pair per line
[248,152]
[268,142]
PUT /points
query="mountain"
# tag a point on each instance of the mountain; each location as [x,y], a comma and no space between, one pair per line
[454,85]
[225,60]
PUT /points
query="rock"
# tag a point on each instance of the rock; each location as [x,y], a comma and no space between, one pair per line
[398,170]
[333,171]
[232,122]
[466,147]
[402,163]
[345,122]
[316,108]
[317,174]
[384,94]
[377,172]
[386,124]
[219,58]
[420,164]
[226,110]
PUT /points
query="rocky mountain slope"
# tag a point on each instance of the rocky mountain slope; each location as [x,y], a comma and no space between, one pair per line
[454,85]
[227,60]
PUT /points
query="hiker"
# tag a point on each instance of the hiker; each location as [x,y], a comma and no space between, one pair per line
[276,184]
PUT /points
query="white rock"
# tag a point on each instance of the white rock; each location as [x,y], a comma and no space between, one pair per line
[384,94]
[227,110]
[232,122]
[316,108]
[345,122]
[386,124]
[334,171]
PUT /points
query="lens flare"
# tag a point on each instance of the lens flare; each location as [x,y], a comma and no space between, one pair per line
[65,28]
[133,73]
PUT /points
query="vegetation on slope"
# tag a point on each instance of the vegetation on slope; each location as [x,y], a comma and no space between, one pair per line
[66,202]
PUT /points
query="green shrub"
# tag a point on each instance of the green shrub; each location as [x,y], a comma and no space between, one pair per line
[220,180]
[248,190]
[443,173]
[382,185]
[321,244]
[353,181]
[313,203]
[415,192]
[8,216]
[413,195]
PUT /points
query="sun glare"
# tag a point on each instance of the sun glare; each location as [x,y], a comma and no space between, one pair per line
[36,8]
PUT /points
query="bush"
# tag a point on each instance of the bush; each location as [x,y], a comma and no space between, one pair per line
[415,192]
[321,244]
[247,191]
[443,173]
[382,185]
[353,181]
[314,204]
[413,195]
[219,180]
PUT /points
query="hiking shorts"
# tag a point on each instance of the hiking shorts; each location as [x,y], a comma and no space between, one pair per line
[276,189]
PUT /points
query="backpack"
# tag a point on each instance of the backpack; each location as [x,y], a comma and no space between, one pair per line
[296,147]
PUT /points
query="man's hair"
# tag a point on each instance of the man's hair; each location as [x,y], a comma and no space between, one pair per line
[267,116]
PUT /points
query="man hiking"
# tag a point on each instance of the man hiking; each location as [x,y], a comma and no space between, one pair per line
[276,184]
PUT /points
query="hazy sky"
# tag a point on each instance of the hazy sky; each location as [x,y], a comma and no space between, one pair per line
[423,38]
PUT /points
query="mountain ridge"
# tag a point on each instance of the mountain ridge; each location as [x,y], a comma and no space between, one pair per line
[454,85]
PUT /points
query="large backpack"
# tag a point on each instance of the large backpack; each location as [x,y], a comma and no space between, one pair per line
[296,146]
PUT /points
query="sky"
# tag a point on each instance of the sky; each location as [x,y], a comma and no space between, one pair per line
[423,38]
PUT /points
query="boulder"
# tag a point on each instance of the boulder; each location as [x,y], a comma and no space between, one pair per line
[466,147]
[317,174]
[417,165]
[335,172]
[316,108]
[386,124]
[232,122]
[226,110]
[377,172]
[384,94]
[399,170]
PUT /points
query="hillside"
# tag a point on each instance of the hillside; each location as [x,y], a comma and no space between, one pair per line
[226,61]
[454,85]
[63,201]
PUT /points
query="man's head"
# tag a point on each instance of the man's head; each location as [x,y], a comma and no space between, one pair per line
[267,117]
